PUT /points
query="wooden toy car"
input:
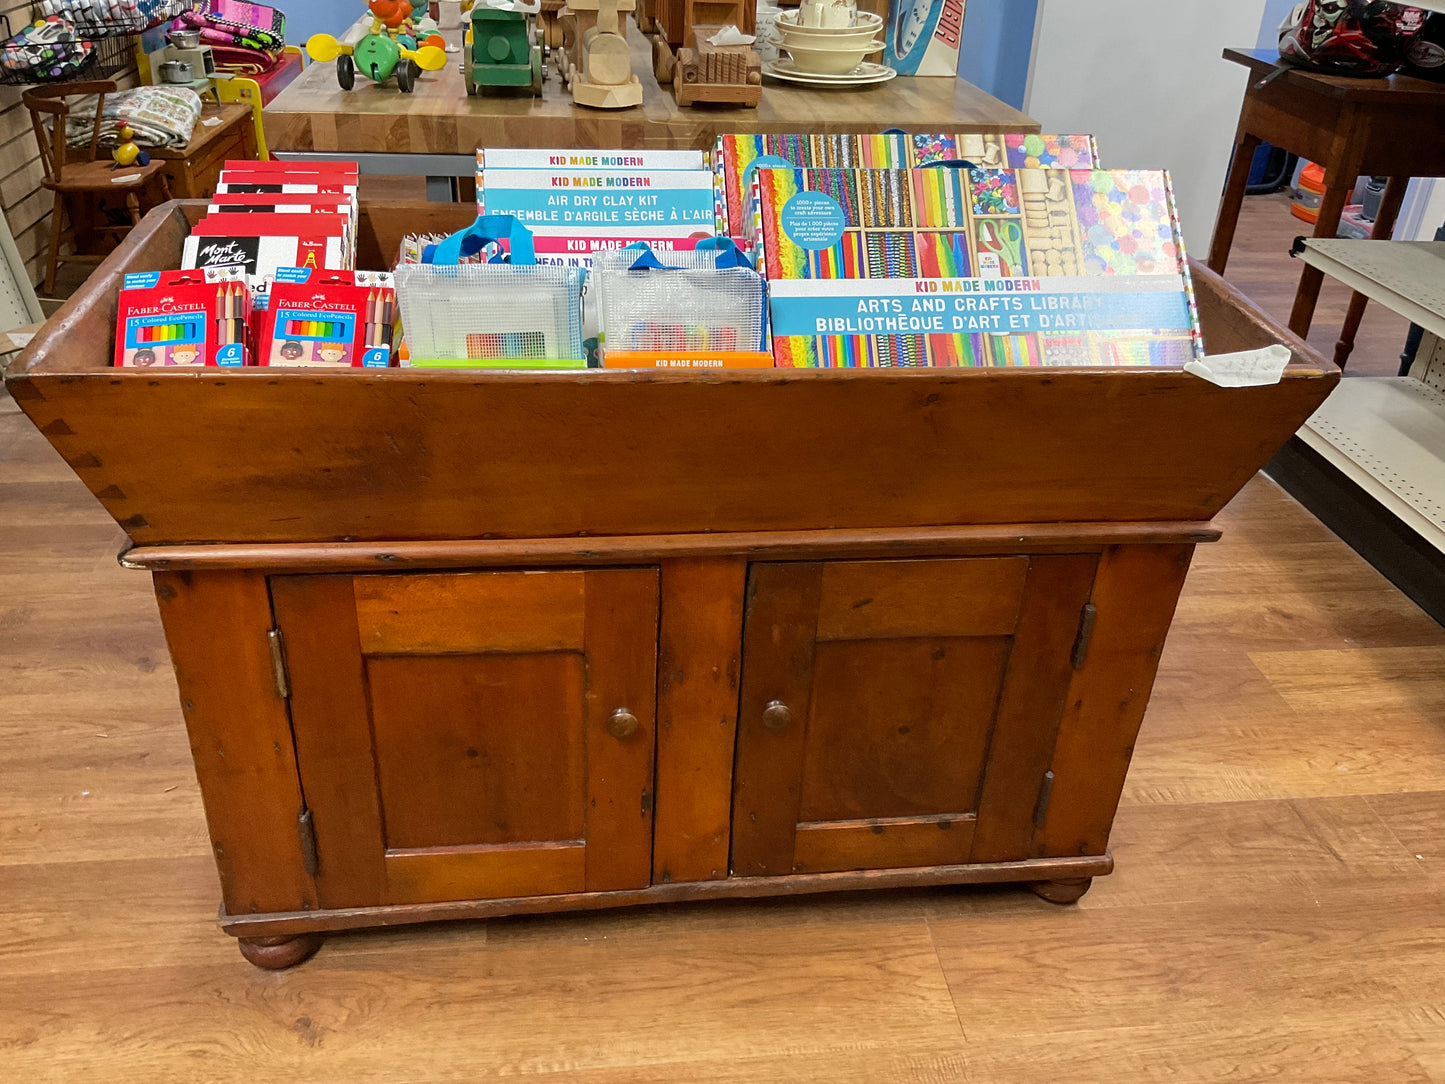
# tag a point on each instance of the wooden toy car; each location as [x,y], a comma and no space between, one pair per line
[502,49]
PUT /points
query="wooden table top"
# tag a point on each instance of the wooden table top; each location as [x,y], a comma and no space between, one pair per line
[1394,89]
[313,114]
[204,133]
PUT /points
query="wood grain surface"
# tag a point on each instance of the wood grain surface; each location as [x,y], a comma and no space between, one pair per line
[315,114]
[344,456]
[1275,913]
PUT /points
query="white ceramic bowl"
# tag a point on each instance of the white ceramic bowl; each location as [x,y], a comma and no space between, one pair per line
[816,40]
[868,22]
[839,60]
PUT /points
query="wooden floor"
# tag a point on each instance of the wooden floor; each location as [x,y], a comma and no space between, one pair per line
[1278,911]
[1261,266]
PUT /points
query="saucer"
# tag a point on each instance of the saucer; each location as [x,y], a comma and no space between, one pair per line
[863,75]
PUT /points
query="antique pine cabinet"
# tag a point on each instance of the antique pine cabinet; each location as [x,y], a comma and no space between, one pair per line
[457,644]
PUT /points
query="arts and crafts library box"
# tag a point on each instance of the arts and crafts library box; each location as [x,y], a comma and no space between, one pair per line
[468,642]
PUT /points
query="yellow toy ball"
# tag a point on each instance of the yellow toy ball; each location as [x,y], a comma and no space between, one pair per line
[127,153]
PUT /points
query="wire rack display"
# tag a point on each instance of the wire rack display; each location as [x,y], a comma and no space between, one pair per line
[79,39]
[95,20]
[48,51]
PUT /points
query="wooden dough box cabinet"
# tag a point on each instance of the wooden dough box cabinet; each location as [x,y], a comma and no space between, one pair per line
[464,643]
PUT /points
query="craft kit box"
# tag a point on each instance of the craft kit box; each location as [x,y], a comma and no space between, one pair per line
[974,267]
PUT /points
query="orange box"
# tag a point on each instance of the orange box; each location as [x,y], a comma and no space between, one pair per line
[731,359]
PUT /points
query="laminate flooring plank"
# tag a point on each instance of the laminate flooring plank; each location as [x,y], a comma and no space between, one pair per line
[1339,620]
[1247,567]
[100,811]
[1262,1047]
[1367,681]
[1292,963]
[126,914]
[1229,753]
[521,1009]
[1418,822]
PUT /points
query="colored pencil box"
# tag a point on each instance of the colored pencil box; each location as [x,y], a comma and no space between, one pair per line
[185,318]
[328,318]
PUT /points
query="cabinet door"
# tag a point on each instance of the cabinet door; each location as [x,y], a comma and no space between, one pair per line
[900,713]
[475,735]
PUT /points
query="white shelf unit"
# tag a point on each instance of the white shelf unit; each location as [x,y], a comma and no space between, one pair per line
[1387,434]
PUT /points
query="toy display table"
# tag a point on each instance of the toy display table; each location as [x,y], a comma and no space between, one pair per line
[436,130]
[1393,127]
[467,643]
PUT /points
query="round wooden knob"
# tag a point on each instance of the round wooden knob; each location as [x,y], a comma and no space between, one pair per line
[622,723]
[776,715]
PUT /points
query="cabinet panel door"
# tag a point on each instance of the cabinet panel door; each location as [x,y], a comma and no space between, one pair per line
[899,713]
[474,735]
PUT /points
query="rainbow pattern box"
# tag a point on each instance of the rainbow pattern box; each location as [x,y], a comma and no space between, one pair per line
[328,318]
[185,318]
[974,267]
[735,157]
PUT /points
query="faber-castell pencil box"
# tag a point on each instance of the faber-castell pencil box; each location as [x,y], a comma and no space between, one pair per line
[183,318]
[329,318]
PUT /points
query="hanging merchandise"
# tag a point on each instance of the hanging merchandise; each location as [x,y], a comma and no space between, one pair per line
[109,18]
[1349,37]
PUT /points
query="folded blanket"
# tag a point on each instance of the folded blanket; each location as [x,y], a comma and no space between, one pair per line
[245,39]
[161,116]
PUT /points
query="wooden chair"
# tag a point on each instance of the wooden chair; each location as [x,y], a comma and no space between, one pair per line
[84,175]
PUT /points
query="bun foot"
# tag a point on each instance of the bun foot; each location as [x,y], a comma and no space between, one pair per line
[1062,891]
[279,953]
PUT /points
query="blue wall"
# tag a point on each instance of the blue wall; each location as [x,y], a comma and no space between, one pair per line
[1274,13]
[998,41]
[307,17]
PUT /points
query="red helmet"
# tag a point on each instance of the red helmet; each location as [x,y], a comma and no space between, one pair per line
[1350,37]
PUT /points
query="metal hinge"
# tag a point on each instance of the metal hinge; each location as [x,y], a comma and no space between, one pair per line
[1046,795]
[1086,633]
[278,663]
[306,830]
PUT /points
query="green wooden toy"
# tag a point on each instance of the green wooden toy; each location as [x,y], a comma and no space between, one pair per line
[378,57]
[503,48]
